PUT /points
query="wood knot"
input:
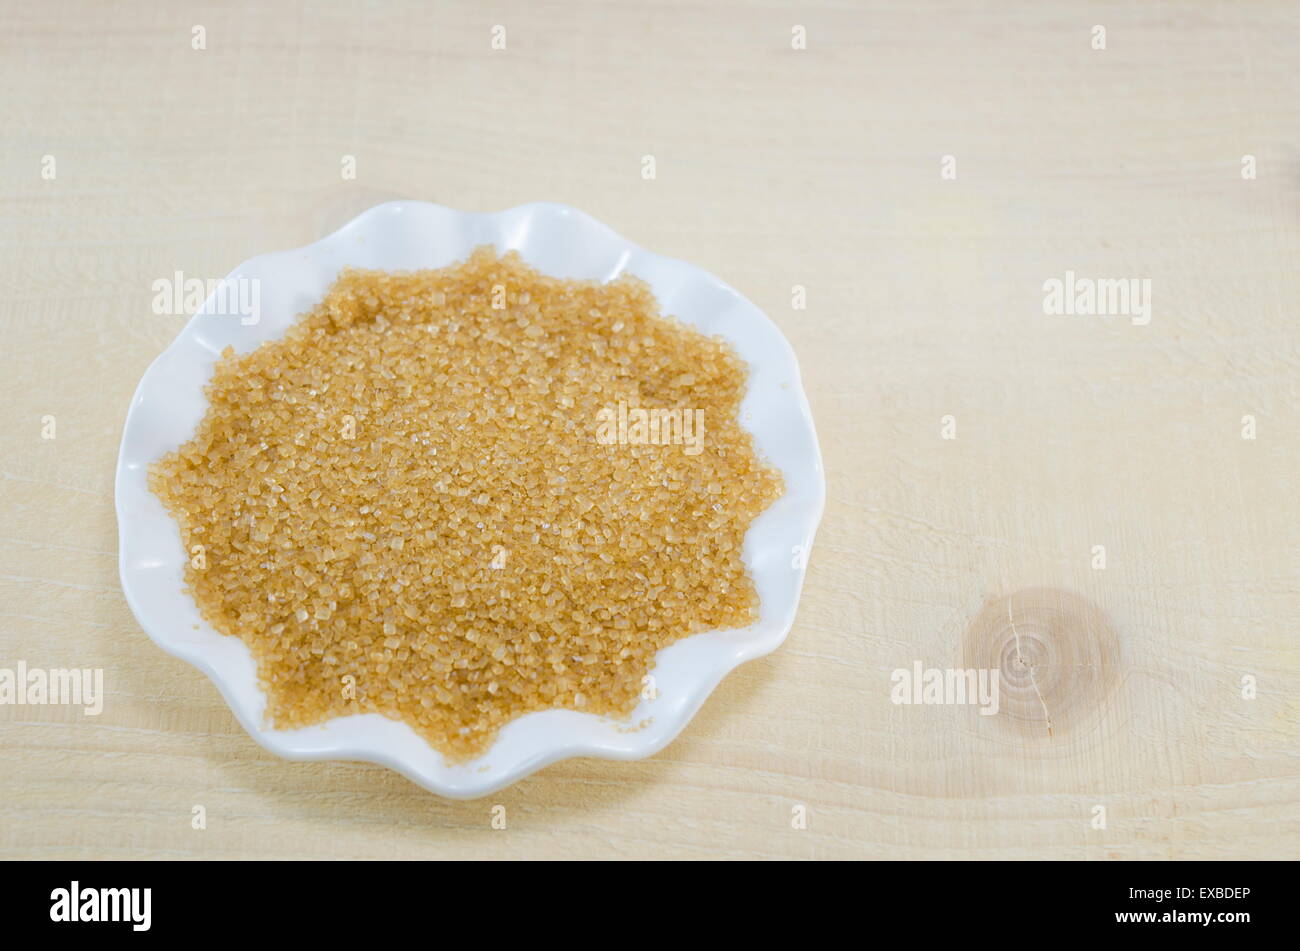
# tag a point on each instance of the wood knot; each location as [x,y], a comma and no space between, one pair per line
[1057,657]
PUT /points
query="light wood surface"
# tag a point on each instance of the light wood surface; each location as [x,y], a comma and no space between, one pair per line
[775,167]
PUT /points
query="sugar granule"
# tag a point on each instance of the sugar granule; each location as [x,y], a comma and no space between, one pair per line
[403,506]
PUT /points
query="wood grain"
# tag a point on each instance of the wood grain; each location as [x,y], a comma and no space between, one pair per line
[775,167]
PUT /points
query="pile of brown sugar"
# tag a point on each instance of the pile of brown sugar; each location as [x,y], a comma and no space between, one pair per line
[408,504]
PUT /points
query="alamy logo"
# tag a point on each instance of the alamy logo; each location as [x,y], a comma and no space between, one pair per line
[932,685]
[37,686]
[634,426]
[1102,297]
[102,904]
[179,296]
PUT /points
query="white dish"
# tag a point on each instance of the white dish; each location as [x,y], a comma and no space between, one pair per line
[408,235]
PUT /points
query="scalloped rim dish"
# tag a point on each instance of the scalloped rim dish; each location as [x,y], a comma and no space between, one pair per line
[409,235]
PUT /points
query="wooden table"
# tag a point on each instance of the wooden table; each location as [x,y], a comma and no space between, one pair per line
[922,173]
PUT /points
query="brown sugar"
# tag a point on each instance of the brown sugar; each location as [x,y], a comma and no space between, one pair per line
[454,497]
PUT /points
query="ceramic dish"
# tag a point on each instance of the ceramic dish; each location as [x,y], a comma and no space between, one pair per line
[408,235]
